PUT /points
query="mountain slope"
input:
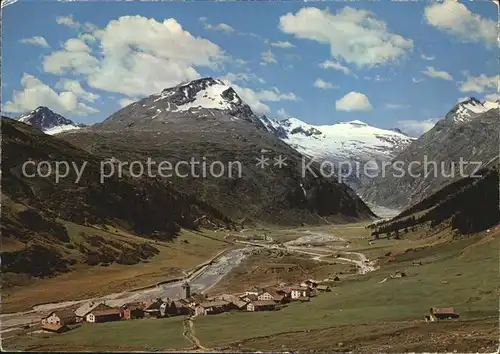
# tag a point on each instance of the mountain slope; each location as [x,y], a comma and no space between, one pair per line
[36,210]
[207,121]
[468,205]
[51,123]
[343,144]
[469,133]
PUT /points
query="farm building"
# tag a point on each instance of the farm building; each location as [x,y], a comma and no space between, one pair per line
[236,301]
[86,308]
[264,305]
[323,288]
[171,307]
[443,313]
[60,318]
[195,299]
[212,307]
[297,292]
[57,328]
[254,291]
[133,311]
[152,308]
[265,295]
[107,315]
[278,297]
[309,283]
[248,298]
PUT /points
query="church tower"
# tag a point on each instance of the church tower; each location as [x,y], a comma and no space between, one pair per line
[187,290]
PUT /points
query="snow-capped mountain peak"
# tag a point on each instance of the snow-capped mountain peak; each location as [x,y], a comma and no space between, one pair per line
[48,121]
[207,93]
[355,123]
[341,142]
[466,110]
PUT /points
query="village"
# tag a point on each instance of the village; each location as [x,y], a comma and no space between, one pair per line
[192,305]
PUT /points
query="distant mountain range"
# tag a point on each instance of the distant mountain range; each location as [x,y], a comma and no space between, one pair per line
[207,111]
[342,143]
[206,119]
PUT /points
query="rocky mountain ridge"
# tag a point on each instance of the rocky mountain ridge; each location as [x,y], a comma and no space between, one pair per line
[49,122]
[469,133]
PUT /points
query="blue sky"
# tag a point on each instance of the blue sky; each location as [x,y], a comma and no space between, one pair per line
[388,64]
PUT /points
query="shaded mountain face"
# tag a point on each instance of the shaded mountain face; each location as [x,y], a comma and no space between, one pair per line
[145,205]
[467,205]
[347,145]
[468,133]
[36,210]
[51,123]
[208,122]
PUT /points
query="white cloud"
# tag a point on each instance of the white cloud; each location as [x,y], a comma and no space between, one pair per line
[433,72]
[268,57]
[456,19]
[138,56]
[282,113]
[223,27]
[282,44]
[256,99]
[275,95]
[126,101]
[356,36]
[425,57]
[240,62]
[480,83]
[75,56]
[70,22]
[321,84]
[330,64]
[416,127]
[492,97]
[37,40]
[75,87]
[416,81]
[35,93]
[220,27]
[67,21]
[231,77]
[396,106]
[353,101]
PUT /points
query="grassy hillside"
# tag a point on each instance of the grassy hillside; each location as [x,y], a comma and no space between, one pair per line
[92,270]
[460,274]
[144,335]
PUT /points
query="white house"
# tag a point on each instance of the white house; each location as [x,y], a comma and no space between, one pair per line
[300,292]
[265,296]
[253,291]
[64,317]
[88,307]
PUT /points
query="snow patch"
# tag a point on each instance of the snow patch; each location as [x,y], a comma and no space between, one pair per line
[209,98]
[60,129]
[343,141]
